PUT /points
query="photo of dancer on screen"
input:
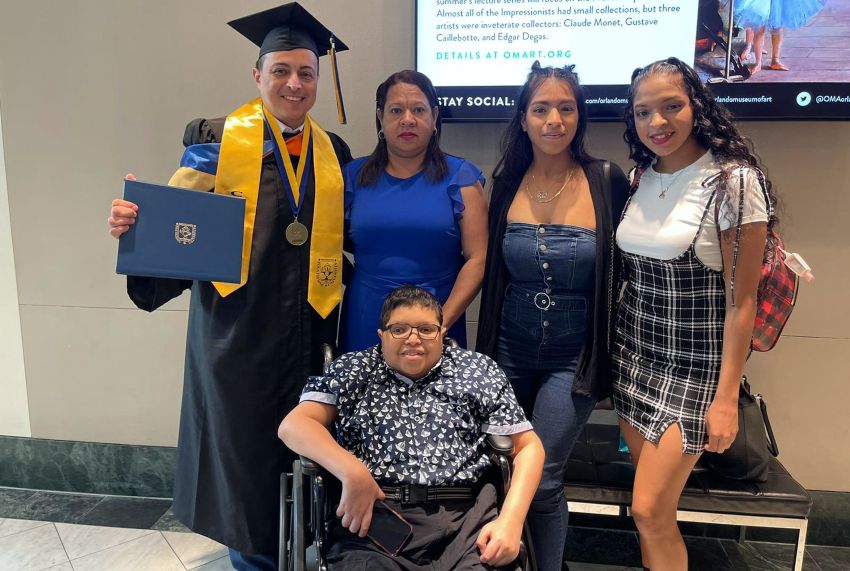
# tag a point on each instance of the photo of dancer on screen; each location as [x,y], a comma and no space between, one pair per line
[773,41]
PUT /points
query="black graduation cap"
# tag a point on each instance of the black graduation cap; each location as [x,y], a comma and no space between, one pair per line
[290,27]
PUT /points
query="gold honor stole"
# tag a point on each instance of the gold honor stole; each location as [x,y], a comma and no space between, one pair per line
[238,174]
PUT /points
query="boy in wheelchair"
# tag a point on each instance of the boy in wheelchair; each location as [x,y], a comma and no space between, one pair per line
[411,418]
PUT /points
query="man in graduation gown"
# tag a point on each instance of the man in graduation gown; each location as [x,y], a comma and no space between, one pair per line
[251,346]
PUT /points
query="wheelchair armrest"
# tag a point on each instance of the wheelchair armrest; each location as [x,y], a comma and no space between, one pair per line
[327,358]
[500,444]
[309,467]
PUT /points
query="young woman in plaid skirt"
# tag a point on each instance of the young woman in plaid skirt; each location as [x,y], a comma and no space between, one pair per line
[692,245]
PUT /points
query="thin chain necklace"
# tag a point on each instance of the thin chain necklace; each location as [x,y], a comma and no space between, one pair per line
[542,197]
[664,189]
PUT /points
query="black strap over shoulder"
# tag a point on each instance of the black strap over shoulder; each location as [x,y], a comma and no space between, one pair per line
[738,225]
[609,191]
[635,175]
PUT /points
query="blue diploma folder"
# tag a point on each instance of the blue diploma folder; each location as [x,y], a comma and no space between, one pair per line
[182,233]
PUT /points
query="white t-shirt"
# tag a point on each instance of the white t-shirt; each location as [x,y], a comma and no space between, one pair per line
[663,227]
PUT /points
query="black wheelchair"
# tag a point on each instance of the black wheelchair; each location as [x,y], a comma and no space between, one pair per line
[303,530]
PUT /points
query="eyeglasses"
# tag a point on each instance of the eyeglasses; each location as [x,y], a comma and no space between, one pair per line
[425,331]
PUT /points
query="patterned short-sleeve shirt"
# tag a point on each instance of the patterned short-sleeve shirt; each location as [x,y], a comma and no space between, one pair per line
[430,431]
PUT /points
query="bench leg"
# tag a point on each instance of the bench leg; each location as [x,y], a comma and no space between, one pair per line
[800,547]
[742,534]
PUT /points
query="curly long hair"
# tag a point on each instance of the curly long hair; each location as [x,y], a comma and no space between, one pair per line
[516,149]
[714,128]
[436,167]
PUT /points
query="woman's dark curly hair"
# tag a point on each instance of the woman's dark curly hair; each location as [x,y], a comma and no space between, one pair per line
[516,146]
[714,129]
[436,167]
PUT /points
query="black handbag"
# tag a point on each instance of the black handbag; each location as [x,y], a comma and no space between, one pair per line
[749,456]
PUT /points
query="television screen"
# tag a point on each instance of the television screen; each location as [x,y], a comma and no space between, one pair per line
[787,59]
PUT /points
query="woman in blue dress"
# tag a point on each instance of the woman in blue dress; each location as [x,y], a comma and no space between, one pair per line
[415,215]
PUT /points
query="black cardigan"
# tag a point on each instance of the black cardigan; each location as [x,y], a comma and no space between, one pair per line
[592,375]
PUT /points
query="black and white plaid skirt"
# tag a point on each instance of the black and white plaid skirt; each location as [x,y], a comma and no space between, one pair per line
[669,342]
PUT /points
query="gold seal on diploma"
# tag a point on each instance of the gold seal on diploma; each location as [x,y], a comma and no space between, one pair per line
[185,233]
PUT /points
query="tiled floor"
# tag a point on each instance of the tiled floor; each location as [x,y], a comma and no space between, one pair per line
[44,546]
[88,509]
[27,545]
[84,532]
[611,550]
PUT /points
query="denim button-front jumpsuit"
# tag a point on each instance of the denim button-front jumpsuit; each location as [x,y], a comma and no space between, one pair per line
[544,328]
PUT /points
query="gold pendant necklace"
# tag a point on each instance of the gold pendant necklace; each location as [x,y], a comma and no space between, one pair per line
[664,189]
[542,197]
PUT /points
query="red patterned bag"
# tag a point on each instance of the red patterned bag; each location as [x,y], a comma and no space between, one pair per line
[778,285]
[777,294]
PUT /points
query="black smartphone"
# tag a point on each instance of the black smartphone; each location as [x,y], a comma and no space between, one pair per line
[388,530]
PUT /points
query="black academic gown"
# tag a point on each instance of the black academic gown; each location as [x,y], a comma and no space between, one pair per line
[248,356]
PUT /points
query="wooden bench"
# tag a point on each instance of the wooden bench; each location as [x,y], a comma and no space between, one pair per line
[599,481]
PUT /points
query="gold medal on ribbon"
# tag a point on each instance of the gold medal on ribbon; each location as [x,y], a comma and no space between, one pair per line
[297,234]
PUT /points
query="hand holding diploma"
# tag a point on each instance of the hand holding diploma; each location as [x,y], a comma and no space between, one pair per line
[122,214]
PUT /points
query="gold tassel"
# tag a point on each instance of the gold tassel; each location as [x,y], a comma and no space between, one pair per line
[340,106]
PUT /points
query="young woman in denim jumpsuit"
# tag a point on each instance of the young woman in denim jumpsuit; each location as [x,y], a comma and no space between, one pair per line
[548,285]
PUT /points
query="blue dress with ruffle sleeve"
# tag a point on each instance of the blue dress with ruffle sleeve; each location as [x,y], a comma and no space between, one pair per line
[402,231]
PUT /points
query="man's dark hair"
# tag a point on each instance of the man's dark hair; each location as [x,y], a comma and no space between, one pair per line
[408,296]
[261,61]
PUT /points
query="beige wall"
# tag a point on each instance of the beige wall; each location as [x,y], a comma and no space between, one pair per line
[108,87]
[14,409]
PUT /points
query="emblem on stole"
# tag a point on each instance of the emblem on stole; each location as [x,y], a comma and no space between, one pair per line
[185,233]
[326,271]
